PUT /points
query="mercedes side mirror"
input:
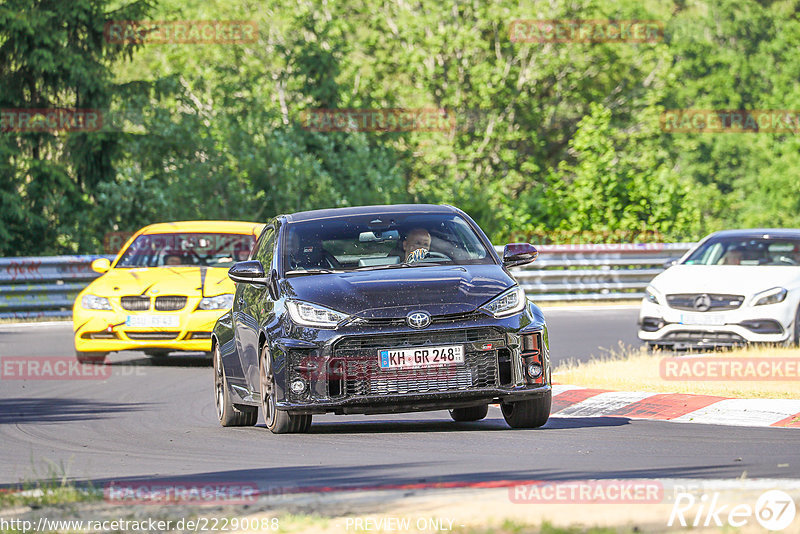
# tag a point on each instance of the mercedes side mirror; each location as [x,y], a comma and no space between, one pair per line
[515,254]
[670,262]
[248,272]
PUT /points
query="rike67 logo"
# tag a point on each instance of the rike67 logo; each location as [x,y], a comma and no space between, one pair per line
[774,510]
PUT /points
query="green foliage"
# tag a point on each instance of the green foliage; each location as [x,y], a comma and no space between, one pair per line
[552,141]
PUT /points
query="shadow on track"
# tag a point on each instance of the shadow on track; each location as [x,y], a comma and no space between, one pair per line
[489,424]
[59,410]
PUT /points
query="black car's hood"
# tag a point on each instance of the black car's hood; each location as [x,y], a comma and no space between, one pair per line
[393,293]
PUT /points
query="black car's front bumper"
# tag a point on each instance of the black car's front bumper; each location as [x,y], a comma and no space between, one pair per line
[342,374]
[418,402]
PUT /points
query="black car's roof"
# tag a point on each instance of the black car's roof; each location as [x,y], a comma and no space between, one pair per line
[368,210]
[758,232]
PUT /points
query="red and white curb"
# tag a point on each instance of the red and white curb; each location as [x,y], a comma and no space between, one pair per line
[574,401]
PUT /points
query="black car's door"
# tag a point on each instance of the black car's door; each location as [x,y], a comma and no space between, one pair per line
[247,302]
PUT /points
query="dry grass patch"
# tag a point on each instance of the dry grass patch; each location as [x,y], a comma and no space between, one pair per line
[639,369]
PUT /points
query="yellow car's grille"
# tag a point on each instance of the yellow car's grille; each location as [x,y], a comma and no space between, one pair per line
[170,303]
[143,336]
[135,303]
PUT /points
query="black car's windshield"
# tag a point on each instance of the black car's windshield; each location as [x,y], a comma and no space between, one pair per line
[181,249]
[747,251]
[381,242]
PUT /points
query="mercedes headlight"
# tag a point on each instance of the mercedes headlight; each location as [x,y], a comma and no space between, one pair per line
[506,303]
[651,295]
[770,296]
[93,302]
[307,314]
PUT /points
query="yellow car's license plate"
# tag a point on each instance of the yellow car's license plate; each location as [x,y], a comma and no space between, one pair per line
[153,321]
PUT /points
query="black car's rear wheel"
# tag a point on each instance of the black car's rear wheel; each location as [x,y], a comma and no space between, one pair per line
[473,413]
[228,413]
[528,413]
[277,421]
[90,357]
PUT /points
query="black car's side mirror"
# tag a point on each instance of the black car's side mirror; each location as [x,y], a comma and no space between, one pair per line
[519,254]
[247,272]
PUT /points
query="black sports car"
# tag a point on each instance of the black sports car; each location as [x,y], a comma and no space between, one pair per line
[379,309]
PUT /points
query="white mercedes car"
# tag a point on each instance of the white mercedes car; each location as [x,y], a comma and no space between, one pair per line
[734,287]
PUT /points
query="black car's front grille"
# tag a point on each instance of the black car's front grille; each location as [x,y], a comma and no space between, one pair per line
[170,303]
[360,374]
[135,303]
[706,301]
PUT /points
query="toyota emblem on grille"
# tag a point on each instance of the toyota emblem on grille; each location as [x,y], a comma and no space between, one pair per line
[418,319]
[702,303]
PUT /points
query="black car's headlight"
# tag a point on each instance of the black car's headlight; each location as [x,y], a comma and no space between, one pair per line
[220,302]
[93,302]
[770,296]
[506,303]
[307,314]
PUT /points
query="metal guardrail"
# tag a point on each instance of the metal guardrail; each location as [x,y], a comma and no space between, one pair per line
[47,286]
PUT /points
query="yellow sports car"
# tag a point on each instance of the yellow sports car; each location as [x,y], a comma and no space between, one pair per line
[163,292]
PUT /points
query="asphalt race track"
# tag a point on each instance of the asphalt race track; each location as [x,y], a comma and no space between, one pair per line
[159,423]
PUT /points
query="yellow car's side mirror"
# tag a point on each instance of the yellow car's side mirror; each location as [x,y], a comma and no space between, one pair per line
[101,265]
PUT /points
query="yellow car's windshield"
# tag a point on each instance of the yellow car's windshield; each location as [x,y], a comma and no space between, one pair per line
[183,249]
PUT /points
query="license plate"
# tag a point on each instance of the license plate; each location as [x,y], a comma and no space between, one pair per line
[153,321]
[421,357]
[708,319]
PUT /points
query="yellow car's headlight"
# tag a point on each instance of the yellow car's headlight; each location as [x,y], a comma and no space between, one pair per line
[93,302]
[220,302]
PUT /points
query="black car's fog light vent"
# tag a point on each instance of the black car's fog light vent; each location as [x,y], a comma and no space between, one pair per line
[304,371]
[532,360]
[335,378]
[504,366]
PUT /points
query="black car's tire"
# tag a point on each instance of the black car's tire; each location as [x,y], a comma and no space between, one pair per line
[90,357]
[229,414]
[277,421]
[473,413]
[529,413]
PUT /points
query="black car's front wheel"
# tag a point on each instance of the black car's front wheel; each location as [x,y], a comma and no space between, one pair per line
[528,413]
[473,413]
[228,413]
[277,421]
